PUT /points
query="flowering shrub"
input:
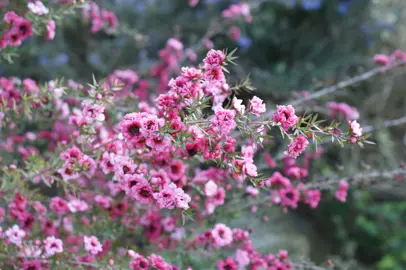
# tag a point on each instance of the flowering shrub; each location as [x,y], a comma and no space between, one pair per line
[105,176]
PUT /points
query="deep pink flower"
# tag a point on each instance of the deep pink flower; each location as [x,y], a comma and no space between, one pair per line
[297,146]
[313,197]
[277,180]
[59,205]
[227,264]
[143,192]
[139,263]
[290,196]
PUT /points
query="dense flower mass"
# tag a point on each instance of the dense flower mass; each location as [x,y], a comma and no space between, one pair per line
[115,175]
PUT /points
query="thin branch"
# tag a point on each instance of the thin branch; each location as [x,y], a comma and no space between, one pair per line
[360,178]
[346,83]
[387,123]
[298,266]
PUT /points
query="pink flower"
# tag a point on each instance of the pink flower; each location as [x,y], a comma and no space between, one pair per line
[68,172]
[176,169]
[286,116]
[15,235]
[30,86]
[166,197]
[76,205]
[38,8]
[139,263]
[269,160]
[257,106]
[290,196]
[193,3]
[210,188]
[250,169]
[92,111]
[222,235]
[10,17]
[224,121]
[59,205]
[72,154]
[143,192]
[182,199]
[242,258]
[158,262]
[214,59]
[341,193]
[297,146]
[382,59]
[227,264]
[97,24]
[235,33]
[92,244]
[110,20]
[252,191]
[356,130]
[277,180]
[53,246]
[313,197]
[349,112]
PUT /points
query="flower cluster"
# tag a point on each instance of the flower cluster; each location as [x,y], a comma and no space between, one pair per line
[101,19]
[18,30]
[387,60]
[138,170]
[341,108]
[235,11]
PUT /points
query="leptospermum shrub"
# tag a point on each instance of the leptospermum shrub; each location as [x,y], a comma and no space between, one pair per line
[94,178]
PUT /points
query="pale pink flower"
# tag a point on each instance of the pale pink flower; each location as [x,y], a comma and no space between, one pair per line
[15,235]
[182,199]
[92,244]
[242,258]
[252,191]
[76,205]
[257,107]
[166,197]
[250,169]
[210,188]
[222,235]
[356,130]
[193,3]
[38,8]
[237,104]
[52,246]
